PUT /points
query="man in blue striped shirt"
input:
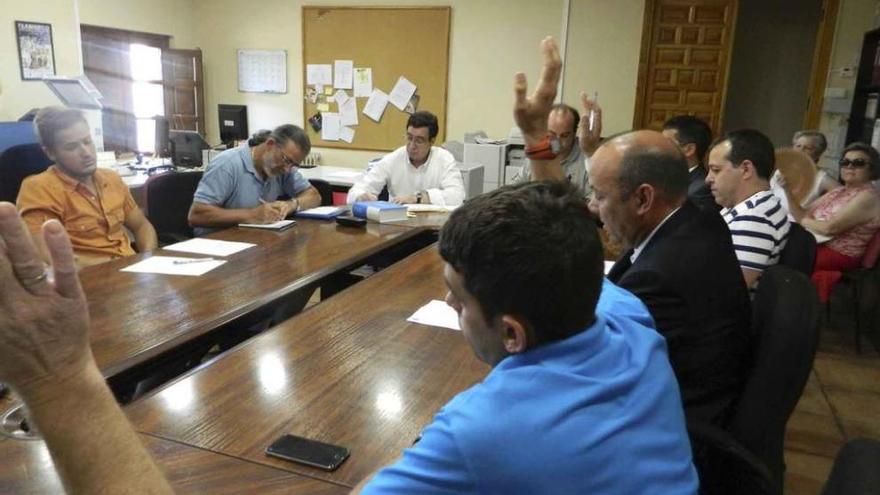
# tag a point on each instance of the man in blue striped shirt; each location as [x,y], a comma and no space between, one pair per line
[740,165]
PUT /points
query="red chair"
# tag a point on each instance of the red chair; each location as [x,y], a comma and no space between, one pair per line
[857,278]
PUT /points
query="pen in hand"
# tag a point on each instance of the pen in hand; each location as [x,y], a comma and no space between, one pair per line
[192,260]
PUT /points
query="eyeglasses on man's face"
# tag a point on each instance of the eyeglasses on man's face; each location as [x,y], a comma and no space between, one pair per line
[417,140]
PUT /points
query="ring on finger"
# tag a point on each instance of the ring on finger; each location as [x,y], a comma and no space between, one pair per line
[32,281]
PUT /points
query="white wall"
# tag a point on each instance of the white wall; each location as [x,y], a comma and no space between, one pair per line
[17,96]
[172,17]
[490,41]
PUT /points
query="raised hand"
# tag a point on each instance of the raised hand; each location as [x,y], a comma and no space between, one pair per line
[44,322]
[588,137]
[530,113]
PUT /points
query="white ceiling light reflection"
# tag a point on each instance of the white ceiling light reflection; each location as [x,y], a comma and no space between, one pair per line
[272,375]
[179,397]
[389,403]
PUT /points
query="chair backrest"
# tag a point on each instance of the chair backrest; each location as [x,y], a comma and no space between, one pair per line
[856,469]
[800,250]
[786,323]
[324,189]
[724,466]
[16,164]
[169,197]
[872,252]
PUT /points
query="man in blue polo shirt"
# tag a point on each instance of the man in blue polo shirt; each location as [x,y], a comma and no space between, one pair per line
[243,184]
[578,401]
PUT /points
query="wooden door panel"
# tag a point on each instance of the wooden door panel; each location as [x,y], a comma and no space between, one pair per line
[184,89]
[685,59]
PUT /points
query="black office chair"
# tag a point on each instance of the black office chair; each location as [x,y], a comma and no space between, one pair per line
[800,250]
[856,469]
[325,190]
[169,197]
[16,164]
[786,323]
[724,466]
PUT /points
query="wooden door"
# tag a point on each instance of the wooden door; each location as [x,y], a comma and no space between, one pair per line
[184,89]
[686,47]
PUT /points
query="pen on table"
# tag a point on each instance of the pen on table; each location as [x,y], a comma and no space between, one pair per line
[593,112]
[192,260]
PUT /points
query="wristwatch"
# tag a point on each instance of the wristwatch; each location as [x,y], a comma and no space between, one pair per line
[419,197]
[545,149]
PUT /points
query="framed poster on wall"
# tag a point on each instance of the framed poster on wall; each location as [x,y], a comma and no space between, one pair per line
[36,53]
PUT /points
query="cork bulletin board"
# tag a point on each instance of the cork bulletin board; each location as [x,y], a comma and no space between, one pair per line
[412,42]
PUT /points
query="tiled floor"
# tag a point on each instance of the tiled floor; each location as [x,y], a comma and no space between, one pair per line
[840,402]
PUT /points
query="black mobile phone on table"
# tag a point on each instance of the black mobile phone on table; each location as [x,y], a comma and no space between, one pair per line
[310,452]
[351,221]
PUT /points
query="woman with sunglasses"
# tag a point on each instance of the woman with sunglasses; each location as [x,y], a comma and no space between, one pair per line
[849,215]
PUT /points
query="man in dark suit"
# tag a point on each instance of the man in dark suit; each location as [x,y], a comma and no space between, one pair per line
[680,262]
[693,136]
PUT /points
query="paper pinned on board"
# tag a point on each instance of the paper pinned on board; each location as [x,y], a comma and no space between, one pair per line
[330,126]
[348,112]
[342,71]
[346,134]
[172,265]
[319,74]
[376,104]
[401,93]
[363,82]
[340,97]
[210,247]
[436,313]
[323,107]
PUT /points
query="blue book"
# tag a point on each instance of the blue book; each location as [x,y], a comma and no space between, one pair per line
[322,212]
[379,211]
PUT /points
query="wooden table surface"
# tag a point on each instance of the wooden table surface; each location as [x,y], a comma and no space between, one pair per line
[350,371]
[27,467]
[138,316]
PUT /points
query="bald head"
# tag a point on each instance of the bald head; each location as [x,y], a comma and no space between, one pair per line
[638,178]
[648,157]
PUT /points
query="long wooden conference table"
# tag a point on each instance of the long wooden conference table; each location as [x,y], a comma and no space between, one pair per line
[137,316]
[349,370]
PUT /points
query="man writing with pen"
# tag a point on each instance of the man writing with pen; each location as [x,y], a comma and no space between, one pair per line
[243,184]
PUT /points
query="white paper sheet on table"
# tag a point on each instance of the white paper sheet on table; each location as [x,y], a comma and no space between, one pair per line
[211,247]
[346,134]
[342,73]
[608,265]
[319,74]
[166,266]
[279,225]
[436,313]
[376,104]
[363,82]
[348,112]
[330,126]
[401,93]
[345,175]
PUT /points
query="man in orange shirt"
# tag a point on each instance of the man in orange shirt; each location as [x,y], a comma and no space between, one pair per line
[92,204]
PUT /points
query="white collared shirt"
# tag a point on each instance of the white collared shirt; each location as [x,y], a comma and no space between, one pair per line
[438,176]
[638,249]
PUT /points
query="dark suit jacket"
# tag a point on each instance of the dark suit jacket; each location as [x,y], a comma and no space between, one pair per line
[699,192]
[690,280]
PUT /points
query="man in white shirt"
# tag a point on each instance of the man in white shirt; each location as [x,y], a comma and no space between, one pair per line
[418,172]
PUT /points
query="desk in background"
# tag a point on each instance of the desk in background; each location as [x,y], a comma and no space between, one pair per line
[350,371]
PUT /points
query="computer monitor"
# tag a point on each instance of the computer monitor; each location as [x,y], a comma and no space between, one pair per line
[186,148]
[233,123]
[163,143]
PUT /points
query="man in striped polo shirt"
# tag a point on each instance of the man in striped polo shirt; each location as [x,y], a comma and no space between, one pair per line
[740,165]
